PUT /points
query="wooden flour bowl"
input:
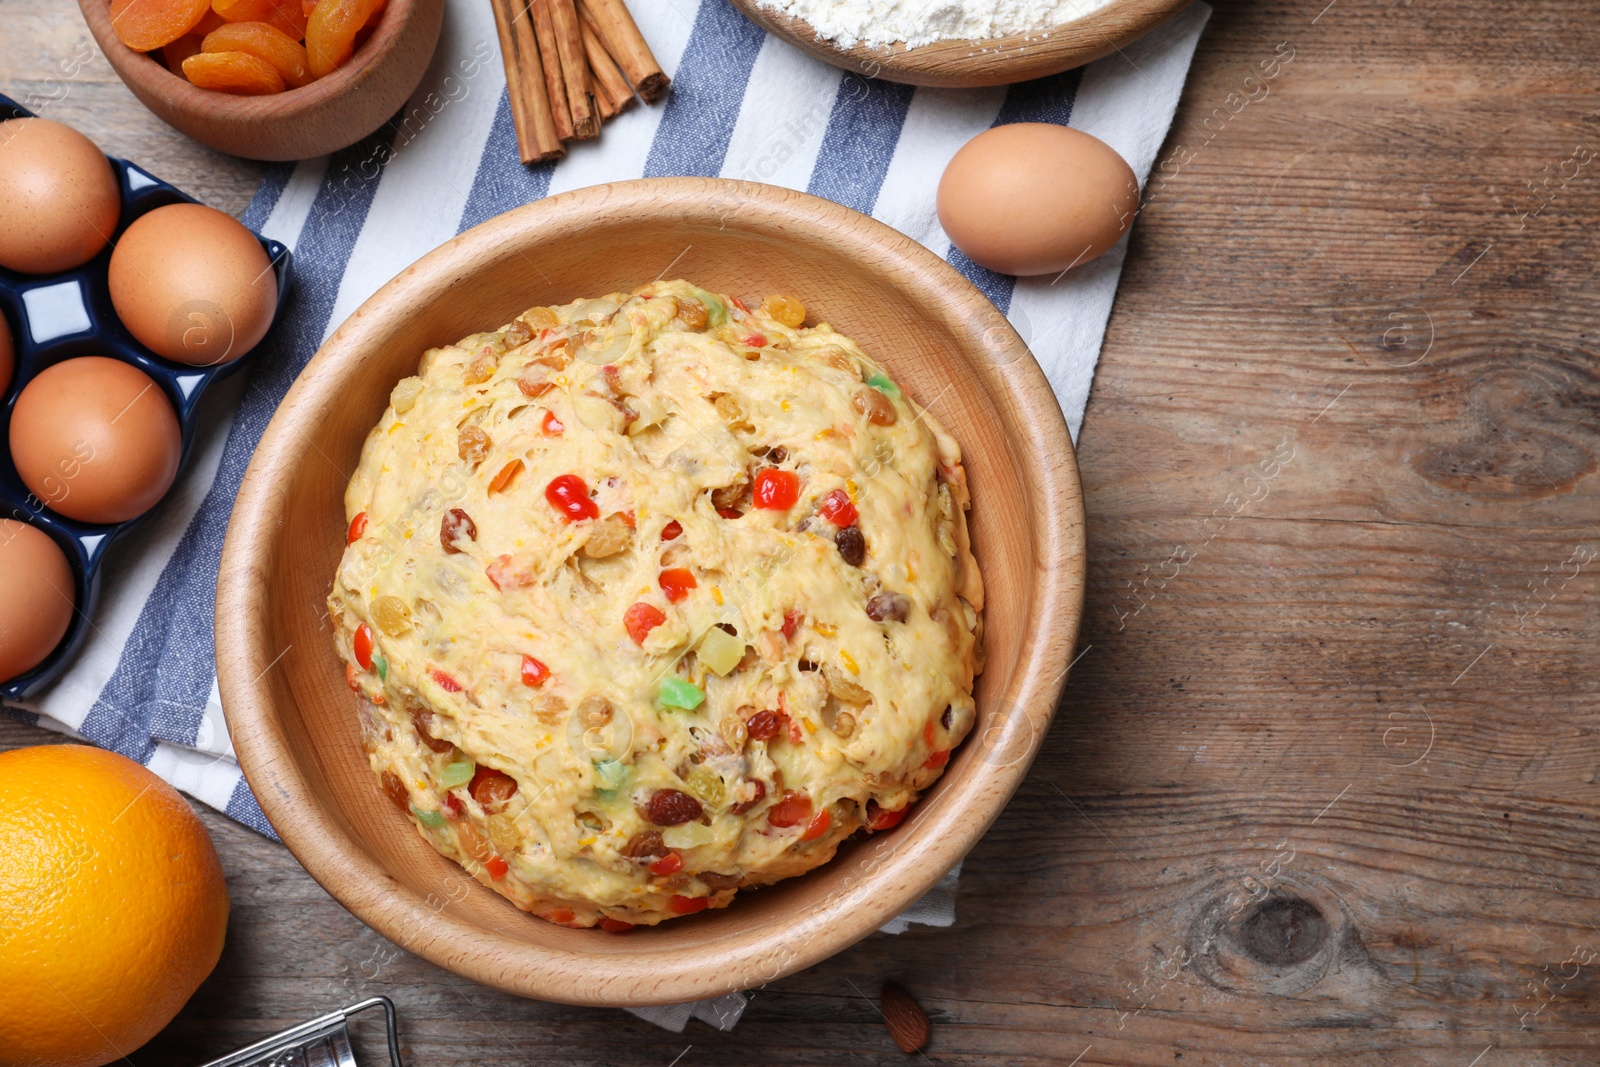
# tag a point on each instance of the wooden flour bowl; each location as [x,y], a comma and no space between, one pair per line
[969,64]
[329,114]
[295,725]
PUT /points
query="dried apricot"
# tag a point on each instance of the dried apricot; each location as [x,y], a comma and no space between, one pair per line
[175,52]
[264,41]
[145,25]
[233,72]
[331,32]
[284,15]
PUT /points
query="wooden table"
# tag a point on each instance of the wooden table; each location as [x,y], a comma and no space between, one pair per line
[1323,789]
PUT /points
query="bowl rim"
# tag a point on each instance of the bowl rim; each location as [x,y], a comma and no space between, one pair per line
[924,850]
[973,63]
[182,95]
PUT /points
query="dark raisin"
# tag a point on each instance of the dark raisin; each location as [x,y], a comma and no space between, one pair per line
[517,334]
[759,795]
[763,726]
[778,454]
[888,607]
[422,722]
[728,496]
[395,790]
[455,525]
[716,881]
[672,807]
[646,844]
[807,665]
[727,628]
[852,546]
[491,788]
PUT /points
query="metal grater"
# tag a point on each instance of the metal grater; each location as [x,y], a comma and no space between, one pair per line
[322,1042]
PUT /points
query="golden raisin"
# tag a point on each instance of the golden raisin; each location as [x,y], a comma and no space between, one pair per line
[842,688]
[481,369]
[517,334]
[835,357]
[708,786]
[692,313]
[472,444]
[731,410]
[844,724]
[391,615]
[733,731]
[607,539]
[541,318]
[786,309]
[535,380]
[472,842]
[875,406]
[594,712]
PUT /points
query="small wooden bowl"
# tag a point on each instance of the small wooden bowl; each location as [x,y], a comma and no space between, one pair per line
[293,720]
[325,116]
[968,64]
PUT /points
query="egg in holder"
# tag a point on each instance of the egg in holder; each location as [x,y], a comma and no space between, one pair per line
[136,378]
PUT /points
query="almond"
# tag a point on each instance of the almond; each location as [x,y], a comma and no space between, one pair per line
[908,1023]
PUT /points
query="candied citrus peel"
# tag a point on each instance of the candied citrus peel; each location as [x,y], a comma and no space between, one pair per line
[233,72]
[265,42]
[145,25]
[286,16]
[331,32]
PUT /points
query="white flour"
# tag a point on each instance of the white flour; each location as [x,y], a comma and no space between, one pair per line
[918,22]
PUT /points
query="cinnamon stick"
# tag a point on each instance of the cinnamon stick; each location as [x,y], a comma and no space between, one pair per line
[620,34]
[544,29]
[574,69]
[537,139]
[611,89]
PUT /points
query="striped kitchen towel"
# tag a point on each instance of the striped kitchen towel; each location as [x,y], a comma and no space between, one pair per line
[742,105]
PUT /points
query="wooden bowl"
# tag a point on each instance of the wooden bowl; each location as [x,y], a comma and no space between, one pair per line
[995,61]
[293,720]
[325,116]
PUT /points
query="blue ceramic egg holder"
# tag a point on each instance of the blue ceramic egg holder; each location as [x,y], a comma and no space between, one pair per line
[54,317]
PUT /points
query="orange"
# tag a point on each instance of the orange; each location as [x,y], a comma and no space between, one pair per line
[112,906]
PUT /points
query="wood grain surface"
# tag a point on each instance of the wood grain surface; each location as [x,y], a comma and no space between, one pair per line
[1323,789]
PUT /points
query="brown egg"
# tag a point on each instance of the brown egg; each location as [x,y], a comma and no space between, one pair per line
[8,355]
[59,200]
[37,590]
[95,439]
[1036,198]
[193,285]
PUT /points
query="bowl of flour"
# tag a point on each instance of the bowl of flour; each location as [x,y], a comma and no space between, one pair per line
[959,42]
